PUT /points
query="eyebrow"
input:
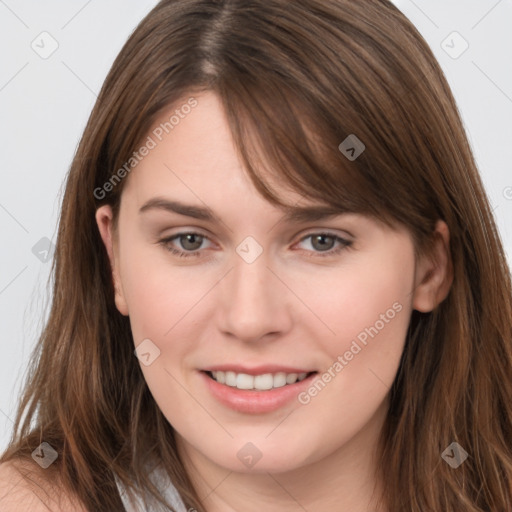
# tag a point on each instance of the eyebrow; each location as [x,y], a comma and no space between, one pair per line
[292,214]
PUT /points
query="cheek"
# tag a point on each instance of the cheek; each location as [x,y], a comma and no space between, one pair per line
[375,307]
[162,301]
[161,297]
[371,295]
[368,311]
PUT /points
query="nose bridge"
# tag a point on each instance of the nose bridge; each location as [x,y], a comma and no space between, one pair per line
[252,297]
[251,274]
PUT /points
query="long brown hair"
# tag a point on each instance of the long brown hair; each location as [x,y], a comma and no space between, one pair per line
[295,78]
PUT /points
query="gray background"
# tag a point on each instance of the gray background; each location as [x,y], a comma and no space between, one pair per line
[45,101]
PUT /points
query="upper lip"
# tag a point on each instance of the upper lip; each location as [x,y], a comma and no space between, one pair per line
[256,370]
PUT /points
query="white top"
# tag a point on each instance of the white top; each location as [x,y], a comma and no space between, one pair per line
[162,481]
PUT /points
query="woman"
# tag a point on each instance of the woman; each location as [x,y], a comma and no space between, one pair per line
[338,335]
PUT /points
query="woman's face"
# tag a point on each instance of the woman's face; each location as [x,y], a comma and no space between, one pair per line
[260,298]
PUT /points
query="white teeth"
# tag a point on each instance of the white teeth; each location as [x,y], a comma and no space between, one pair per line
[231,379]
[244,381]
[264,382]
[259,382]
[279,380]
[291,378]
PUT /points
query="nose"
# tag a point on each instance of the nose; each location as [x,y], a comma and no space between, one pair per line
[254,301]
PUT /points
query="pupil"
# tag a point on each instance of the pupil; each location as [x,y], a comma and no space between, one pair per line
[322,237]
[188,238]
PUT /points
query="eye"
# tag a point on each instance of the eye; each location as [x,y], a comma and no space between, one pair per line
[323,243]
[191,242]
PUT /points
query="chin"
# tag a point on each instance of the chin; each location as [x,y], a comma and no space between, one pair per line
[261,457]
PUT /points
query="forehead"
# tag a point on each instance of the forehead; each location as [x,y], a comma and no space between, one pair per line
[195,137]
[194,154]
[193,169]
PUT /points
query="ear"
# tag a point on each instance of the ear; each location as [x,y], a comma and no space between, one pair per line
[434,272]
[104,217]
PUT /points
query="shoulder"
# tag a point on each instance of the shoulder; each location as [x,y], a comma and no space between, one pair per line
[25,487]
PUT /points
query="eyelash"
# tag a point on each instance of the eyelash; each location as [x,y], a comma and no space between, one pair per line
[345,244]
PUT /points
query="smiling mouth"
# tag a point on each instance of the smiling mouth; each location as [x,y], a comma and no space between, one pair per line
[263,382]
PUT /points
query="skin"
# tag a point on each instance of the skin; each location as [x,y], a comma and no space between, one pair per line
[290,306]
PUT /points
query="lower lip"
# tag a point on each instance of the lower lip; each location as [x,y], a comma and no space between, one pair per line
[255,402]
